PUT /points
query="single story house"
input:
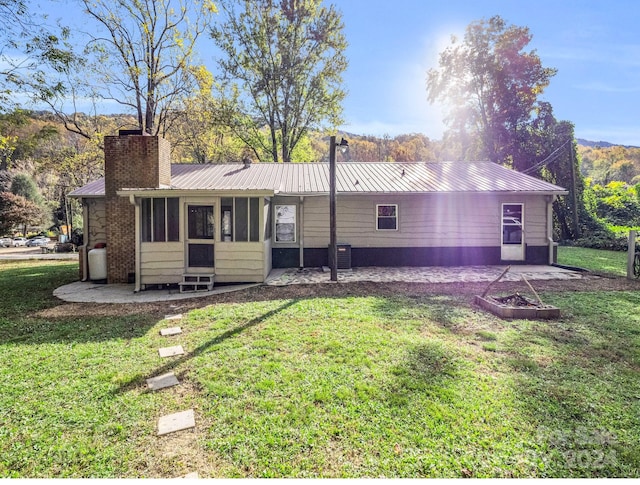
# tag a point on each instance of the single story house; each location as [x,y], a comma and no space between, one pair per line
[166,223]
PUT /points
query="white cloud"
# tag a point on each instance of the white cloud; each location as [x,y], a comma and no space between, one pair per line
[596,52]
[607,88]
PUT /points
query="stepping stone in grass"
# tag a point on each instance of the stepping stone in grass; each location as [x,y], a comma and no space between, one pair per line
[176,422]
[177,316]
[160,382]
[170,331]
[171,351]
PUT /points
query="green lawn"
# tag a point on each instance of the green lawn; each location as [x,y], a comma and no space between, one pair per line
[614,262]
[397,386]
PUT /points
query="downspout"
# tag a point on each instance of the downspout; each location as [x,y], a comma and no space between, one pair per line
[136,202]
[85,231]
[301,229]
[550,199]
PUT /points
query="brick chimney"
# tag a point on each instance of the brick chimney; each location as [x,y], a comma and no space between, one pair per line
[131,160]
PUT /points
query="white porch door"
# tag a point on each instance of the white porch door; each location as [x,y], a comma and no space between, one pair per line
[512,232]
[200,238]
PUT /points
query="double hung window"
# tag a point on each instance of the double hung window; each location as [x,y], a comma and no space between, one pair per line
[285,223]
[387,217]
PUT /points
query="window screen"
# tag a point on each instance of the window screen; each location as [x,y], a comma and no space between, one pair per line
[160,219]
[200,222]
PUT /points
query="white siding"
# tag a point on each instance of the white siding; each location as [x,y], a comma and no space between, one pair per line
[423,221]
[267,259]
[161,262]
[240,262]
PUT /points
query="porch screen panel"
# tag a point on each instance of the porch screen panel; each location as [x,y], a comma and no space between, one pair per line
[173,219]
[201,255]
[254,219]
[226,217]
[158,220]
[145,220]
[267,219]
[242,226]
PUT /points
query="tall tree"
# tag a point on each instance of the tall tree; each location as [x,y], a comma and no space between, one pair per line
[146,54]
[20,136]
[18,211]
[283,63]
[550,146]
[24,186]
[198,135]
[27,43]
[138,54]
[492,86]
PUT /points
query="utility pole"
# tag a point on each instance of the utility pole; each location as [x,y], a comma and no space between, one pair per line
[576,225]
[333,231]
[333,236]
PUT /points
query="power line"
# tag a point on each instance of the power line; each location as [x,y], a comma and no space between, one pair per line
[551,158]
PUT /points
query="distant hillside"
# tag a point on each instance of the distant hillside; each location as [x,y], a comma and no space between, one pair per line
[601,144]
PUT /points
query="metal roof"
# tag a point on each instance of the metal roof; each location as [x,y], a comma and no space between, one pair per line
[354,178]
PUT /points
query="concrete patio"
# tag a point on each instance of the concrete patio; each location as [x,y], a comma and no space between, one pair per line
[428,274]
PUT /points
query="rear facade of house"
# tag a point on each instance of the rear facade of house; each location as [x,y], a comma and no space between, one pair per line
[162,223]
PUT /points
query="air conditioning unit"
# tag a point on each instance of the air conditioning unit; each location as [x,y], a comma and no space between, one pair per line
[344,256]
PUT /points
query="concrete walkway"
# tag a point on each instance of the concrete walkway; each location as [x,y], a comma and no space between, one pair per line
[87,292]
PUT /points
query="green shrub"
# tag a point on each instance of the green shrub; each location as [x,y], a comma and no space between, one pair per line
[604,239]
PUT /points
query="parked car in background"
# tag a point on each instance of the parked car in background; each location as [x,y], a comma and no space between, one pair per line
[18,241]
[5,242]
[38,241]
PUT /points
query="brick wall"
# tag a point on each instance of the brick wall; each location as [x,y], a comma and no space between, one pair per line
[130,161]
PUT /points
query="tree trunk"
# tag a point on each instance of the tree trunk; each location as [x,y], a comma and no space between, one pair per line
[149,116]
[274,142]
[286,155]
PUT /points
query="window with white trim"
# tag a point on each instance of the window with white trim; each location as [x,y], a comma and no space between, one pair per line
[387,217]
[512,223]
[285,222]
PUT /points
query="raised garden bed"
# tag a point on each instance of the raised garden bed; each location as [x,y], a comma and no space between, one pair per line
[517,306]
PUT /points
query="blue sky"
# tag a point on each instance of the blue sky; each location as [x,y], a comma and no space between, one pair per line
[595,45]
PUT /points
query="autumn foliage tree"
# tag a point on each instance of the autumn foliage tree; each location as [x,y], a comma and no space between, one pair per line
[611,163]
[282,65]
[137,54]
[146,54]
[492,85]
[18,211]
[26,44]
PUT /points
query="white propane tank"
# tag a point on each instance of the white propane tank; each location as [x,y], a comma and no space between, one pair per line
[98,264]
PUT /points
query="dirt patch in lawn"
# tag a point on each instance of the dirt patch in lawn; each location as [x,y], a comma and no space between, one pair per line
[588,282]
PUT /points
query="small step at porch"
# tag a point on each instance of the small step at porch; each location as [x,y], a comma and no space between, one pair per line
[196,282]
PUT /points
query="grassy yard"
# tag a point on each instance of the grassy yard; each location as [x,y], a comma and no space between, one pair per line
[614,262]
[397,386]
